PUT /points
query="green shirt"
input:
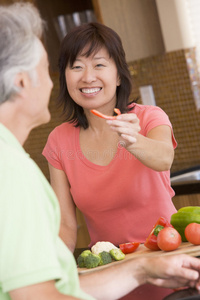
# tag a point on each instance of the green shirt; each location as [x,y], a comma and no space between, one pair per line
[30,248]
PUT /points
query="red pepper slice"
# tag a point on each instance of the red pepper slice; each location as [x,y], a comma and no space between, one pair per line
[117,111]
[98,114]
[163,222]
[151,241]
[129,247]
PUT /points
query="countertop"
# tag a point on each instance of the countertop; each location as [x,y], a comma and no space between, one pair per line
[187,181]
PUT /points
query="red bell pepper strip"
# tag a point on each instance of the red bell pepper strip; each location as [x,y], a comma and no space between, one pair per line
[117,111]
[98,114]
[129,247]
[151,241]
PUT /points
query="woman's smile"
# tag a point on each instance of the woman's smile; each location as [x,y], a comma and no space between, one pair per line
[90,91]
[95,77]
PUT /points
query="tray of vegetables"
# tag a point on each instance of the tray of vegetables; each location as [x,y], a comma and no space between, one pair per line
[181,235]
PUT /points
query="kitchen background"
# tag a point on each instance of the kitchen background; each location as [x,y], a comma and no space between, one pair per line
[162,53]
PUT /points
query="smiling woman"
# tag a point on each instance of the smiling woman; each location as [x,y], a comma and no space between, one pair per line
[118,171]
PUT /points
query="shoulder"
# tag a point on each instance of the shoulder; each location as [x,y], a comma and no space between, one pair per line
[140,109]
[63,131]
[148,113]
[63,128]
[17,166]
[62,137]
[150,117]
[12,157]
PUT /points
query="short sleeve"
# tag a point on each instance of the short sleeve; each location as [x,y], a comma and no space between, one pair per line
[153,116]
[52,151]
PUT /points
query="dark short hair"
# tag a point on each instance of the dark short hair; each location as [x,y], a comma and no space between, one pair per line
[91,36]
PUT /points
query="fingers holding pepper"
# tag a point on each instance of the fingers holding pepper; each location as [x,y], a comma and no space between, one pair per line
[127,126]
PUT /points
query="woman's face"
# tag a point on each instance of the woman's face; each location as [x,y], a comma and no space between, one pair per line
[92,81]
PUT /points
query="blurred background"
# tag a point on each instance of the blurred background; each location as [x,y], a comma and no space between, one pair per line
[161,39]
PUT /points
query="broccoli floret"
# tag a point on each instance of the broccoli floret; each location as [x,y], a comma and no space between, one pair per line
[91,260]
[105,258]
[117,254]
[81,257]
[85,253]
[80,261]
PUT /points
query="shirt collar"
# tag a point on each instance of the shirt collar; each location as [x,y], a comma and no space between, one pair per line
[9,138]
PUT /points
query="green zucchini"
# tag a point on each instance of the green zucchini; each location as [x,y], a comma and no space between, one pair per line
[183,217]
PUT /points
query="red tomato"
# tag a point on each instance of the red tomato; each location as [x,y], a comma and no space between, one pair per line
[192,233]
[129,247]
[168,239]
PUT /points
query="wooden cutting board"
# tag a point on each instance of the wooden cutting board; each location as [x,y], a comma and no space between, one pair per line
[142,251]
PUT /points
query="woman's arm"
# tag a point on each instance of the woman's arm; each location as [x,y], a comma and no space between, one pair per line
[154,150]
[68,228]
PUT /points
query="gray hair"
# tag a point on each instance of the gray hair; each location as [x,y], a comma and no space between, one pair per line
[21,28]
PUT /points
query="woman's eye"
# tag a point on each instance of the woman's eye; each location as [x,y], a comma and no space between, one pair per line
[76,67]
[100,65]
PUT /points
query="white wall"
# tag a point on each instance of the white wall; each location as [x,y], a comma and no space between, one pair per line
[175,24]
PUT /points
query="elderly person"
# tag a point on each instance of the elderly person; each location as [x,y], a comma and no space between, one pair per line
[34,262]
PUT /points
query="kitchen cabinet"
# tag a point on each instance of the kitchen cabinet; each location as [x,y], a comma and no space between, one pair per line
[136,22]
[50,10]
[83,238]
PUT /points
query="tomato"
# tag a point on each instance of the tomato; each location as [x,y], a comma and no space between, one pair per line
[129,247]
[192,233]
[168,239]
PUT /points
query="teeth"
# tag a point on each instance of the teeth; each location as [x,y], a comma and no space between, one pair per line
[90,91]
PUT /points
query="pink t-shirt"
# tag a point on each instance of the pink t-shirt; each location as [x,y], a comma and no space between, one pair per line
[120,201]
